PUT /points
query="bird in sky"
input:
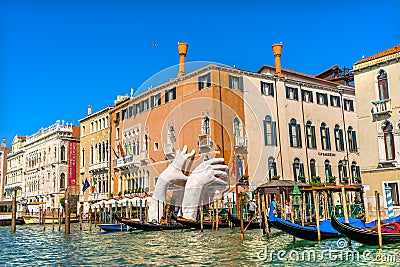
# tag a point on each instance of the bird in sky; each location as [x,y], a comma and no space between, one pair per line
[155,45]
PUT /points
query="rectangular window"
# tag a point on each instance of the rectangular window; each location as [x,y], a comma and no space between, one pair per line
[292,93]
[131,111]
[204,81]
[325,140]
[144,105]
[352,137]
[124,114]
[339,143]
[267,88]
[311,141]
[307,96]
[117,116]
[155,146]
[395,193]
[137,109]
[322,99]
[170,95]
[335,101]
[155,100]
[236,82]
[117,133]
[348,105]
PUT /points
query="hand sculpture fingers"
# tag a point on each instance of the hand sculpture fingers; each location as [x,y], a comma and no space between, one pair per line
[218,173]
[220,167]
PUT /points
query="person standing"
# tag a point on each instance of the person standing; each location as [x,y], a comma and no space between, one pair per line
[252,208]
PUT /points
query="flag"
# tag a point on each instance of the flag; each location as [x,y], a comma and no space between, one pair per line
[128,148]
[86,185]
[94,182]
[121,150]
[115,153]
[8,191]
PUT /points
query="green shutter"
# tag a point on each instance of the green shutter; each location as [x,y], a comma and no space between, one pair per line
[313,139]
[241,88]
[274,136]
[230,82]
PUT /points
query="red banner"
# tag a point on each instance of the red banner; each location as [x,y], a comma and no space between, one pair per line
[71,163]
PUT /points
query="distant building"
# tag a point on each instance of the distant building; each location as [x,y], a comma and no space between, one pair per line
[377,83]
[95,156]
[3,167]
[51,164]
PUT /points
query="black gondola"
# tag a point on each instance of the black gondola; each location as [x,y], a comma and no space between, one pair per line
[196,224]
[7,222]
[364,236]
[237,223]
[145,226]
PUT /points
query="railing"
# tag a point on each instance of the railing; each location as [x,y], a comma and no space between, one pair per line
[128,160]
[241,141]
[381,106]
[205,141]
[98,166]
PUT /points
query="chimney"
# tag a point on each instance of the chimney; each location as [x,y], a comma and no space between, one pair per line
[182,50]
[89,110]
[3,144]
[277,49]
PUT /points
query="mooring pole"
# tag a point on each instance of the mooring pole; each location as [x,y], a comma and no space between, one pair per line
[14,213]
[66,197]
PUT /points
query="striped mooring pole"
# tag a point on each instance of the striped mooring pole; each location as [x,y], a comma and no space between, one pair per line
[389,201]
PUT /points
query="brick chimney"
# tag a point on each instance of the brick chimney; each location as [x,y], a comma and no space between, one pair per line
[3,144]
[89,110]
[182,50]
[277,49]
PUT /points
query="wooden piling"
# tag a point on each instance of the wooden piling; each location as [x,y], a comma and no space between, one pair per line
[345,211]
[216,215]
[316,203]
[67,221]
[14,213]
[52,218]
[265,212]
[90,218]
[201,217]
[44,218]
[378,218]
[80,217]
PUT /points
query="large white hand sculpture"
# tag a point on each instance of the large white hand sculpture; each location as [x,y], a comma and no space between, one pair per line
[173,173]
[207,173]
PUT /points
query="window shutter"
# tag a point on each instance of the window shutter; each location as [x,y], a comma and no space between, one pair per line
[290,135]
[230,82]
[174,93]
[134,110]
[298,134]
[261,88]
[331,100]
[329,170]
[302,169]
[358,171]
[265,132]
[311,97]
[199,82]
[208,79]
[321,130]
[328,139]
[351,106]
[354,141]
[314,141]
[296,94]
[166,96]
[325,99]
[272,89]
[152,101]
[345,104]
[338,101]
[341,140]
[287,92]
[274,137]
[294,171]
[241,84]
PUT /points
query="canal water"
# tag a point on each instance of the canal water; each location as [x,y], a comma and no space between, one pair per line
[33,246]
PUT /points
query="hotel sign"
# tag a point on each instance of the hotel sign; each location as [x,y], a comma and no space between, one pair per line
[327,154]
[71,163]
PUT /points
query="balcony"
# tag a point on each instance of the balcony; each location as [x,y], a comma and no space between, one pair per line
[205,143]
[169,151]
[128,161]
[98,166]
[381,107]
[241,144]
[144,156]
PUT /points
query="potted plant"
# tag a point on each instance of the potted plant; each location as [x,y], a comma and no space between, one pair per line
[316,179]
[357,179]
[120,193]
[244,179]
[302,178]
[332,179]
[345,179]
[276,177]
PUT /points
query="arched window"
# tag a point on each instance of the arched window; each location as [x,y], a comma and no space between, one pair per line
[205,126]
[342,168]
[355,171]
[351,134]
[146,142]
[310,133]
[298,169]
[62,180]
[294,134]
[383,85]
[325,138]
[104,152]
[270,136]
[389,143]
[339,143]
[328,170]
[237,127]
[271,168]
[239,166]
[62,153]
[313,168]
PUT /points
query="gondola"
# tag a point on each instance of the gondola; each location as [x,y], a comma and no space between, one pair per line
[367,236]
[309,232]
[196,224]
[7,221]
[114,227]
[145,226]
[236,221]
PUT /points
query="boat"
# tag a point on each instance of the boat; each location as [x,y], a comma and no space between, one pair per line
[236,221]
[6,215]
[5,220]
[369,236]
[309,232]
[196,224]
[145,226]
[35,219]
[114,227]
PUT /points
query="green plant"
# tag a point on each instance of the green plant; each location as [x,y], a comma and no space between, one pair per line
[126,192]
[276,177]
[120,193]
[332,179]
[345,179]
[357,179]
[62,202]
[302,178]
[244,179]
[316,179]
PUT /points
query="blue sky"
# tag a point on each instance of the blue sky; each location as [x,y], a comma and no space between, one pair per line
[57,57]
